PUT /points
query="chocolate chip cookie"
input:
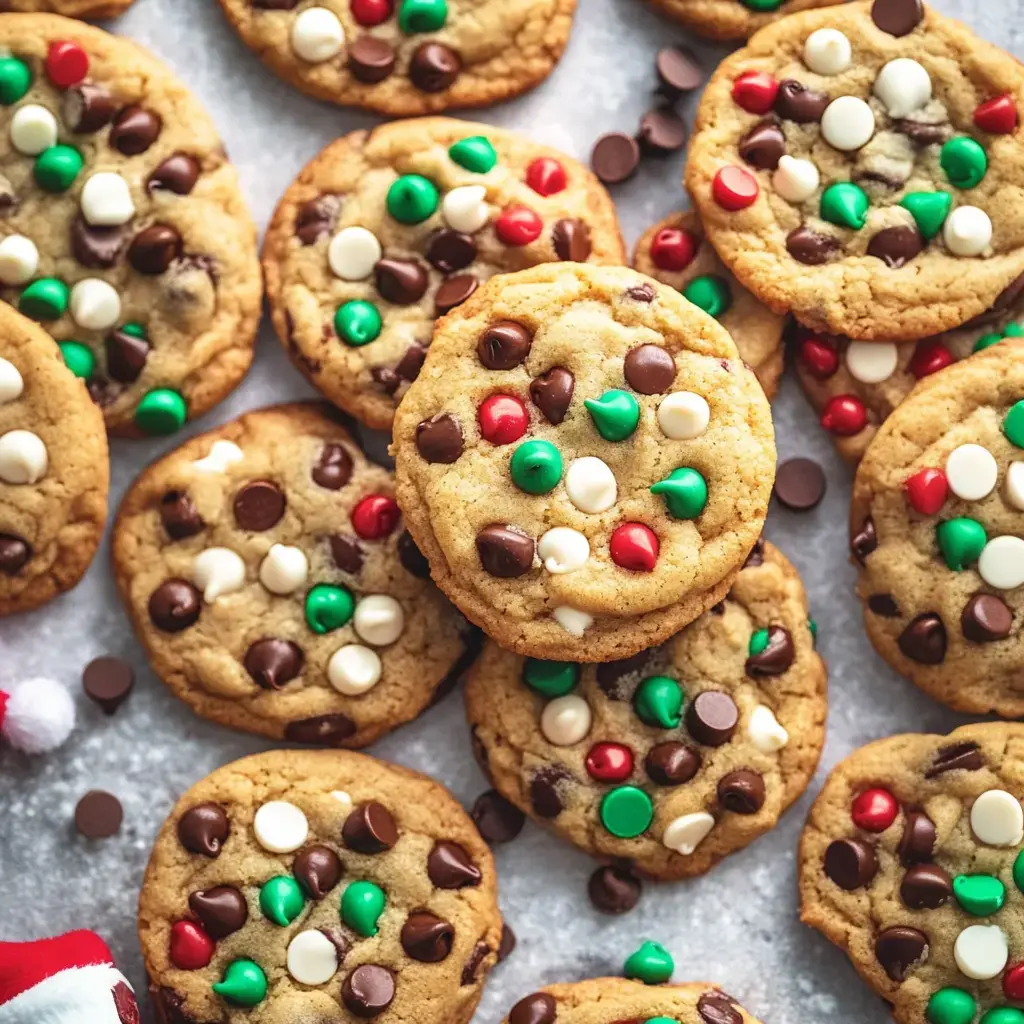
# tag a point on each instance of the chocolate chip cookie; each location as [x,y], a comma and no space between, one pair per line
[318,886]
[936,523]
[54,469]
[267,572]
[911,862]
[733,19]
[406,57]
[678,756]
[675,252]
[124,230]
[386,230]
[858,166]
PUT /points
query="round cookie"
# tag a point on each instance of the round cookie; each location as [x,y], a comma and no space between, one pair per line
[677,757]
[584,460]
[124,229]
[733,19]
[675,253]
[318,885]
[935,524]
[612,1000]
[70,8]
[406,57]
[275,588]
[858,167]
[911,862]
[385,230]
[54,469]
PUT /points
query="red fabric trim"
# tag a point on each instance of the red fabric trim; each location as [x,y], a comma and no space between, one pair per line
[24,965]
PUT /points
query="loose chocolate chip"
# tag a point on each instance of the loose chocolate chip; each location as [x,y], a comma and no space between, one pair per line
[321,730]
[504,345]
[810,248]
[897,245]
[409,366]
[711,718]
[338,939]
[671,763]
[756,556]
[222,910]
[641,293]
[401,282]
[544,796]
[924,639]
[434,67]
[661,131]
[439,439]
[258,505]
[497,819]
[449,250]
[850,863]
[272,662]
[334,467]
[370,828]
[917,844]
[537,1008]
[108,681]
[763,145]
[552,392]
[177,174]
[884,605]
[449,866]
[615,158]
[614,890]
[505,551]
[412,558]
[899,947]
[134,130]
[571,239]
[718,1008]
[14,554]
[348,553]
[649,369]
[454,292]
[986,618]
[741,791]
[317,869]
[800,484]
[507,943]
[611,673]
[154,249]
[925,887]
[174,605]
[795,102]
[204,829]
[922,134]
[315,218]
[179,515]
[677,70]
[777,656]
[371,60]
[87,107]
[897,17]
[95,248]
[864,541]
[368,990]
[471,968]
[956,757]
[125,1004]
[427,937]
[98,815]
[126,356]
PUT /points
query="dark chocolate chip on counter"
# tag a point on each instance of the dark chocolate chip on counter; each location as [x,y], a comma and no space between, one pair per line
[614,890]
[677,70]
[108,681]
[98,815]
[661,131]
[615,158]
[799,484]
[497,819]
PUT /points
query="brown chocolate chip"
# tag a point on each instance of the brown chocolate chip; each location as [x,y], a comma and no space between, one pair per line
[126,356]
[571,240]
[552,392]
[884,605]
[273,662]
[449,250]
[14,554]
[370,828]
[368,990]
[412,558]
[98,815]
[922,134]
[338,939]
[334,467]
[925,887]
[204,829]
[505,551]
[795,102]
[87,107]
[986,618]
[851,863]
[799,484]
[348,553]
[741,791]
[810,248]
[864,541]
[409,366]
[497,819]
[427,937]
[777,656]
[259,505]
[222,910]
[315,218]
[275,5]
[434,67]
[897,245]
[671,763]
[504,345]
[450,867]
[167,1006]
[917,844]
[897,17]
[763,146]
[924,639]
[614,890]
[179,515]
[174,605]
[454,292]
[615,158]
[677,70]
[371,60]
[95,247]
[507,943]
[401,282]
[641,293]
[611,673]
[649,369]
[318,870]
[321,730]
[544,795]
[899,947]
[536,1008]
[439,439]
[108,681]
[718,1008]
[956,757]
[471,968]
[134,130]
[711,718]
[177,174]
[154,249]
[756,556]
[661,131]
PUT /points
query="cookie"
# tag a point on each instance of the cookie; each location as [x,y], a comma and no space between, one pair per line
[386,230]
[70,8]
[407,57]
[275,588]
[124,230]
[612,1000]
[674,252]
[733,19]
[911,862]
[54,469]
[859,167]
[676,757]
[935,528]
[318,885]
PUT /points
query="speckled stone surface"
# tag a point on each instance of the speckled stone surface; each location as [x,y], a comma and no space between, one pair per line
[738,925]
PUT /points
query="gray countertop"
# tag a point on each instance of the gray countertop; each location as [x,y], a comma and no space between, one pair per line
[737,926]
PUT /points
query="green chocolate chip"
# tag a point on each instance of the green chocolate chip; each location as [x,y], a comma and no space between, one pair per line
[281,900]
[328,607]
[661,1020]
[813,627]
[475,153]
[961,542]
[536,467]
[652,964]
[929,210]
[758,642]
[550,678]
[979,895]
[422,16]
[710,293]
[1002,1015]
[951,1006]
[134,330]
[763,5]
[78,358]
[362,903]
[45,299]
[685,492]
[412,199]
[658,701]
[615,414]
[1013,331]
[57,167]
[626,812]
[845,204]
[358,322]
[964,162]
[244,984]
[1018,871]
[987,341]
[15,79]
[1013,424]
[161,412]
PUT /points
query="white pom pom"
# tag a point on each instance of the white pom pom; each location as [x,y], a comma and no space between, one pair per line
[38,716]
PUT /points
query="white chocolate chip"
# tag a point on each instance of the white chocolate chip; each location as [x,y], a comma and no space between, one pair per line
[591,485]
[464,208]
[683,415]
[106,200]
[685,833]
[218,571]
[1001,564]
[221,455]
[764,730]
[33,129]
[95,305]
[343,798]
[903,86]
[280,827]
[354,669]
[827,51]
[317,35]
[1015,485]
[795,179]
[971,471]
[312,958]
[284,569]
[847,123]
[572,620]
[19,260]
[997,818]
[353,253]
[23,457]
[379,619]
[565,720]
[563,550]
[981,951]
[12,385]
[871,362]
[967,231]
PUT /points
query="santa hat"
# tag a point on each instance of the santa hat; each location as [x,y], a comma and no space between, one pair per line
[70,979]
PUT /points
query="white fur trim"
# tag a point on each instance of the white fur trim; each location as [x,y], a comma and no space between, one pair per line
[75,996]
